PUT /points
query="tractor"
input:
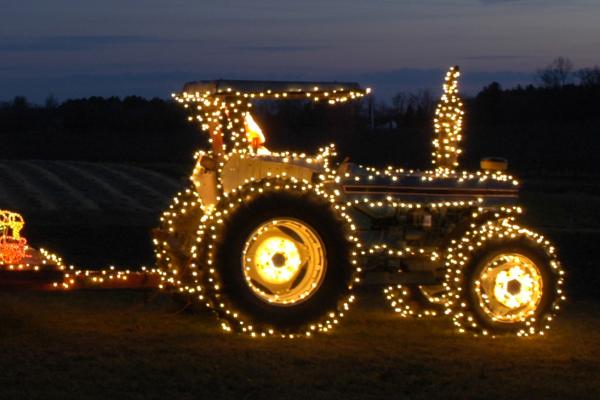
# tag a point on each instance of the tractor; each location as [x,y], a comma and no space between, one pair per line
[276,243]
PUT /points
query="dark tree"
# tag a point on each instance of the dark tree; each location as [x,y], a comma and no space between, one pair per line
[51,102]
[589,76]
[557,73]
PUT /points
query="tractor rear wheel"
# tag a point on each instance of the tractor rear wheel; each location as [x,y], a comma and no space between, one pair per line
[281,261]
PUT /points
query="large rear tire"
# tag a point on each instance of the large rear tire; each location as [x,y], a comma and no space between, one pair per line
[280,261]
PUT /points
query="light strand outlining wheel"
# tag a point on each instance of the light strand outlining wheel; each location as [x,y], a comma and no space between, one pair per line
[289,287]
[503,278]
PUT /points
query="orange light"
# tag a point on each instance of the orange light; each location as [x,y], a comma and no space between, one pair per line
[253,132]
[12,245]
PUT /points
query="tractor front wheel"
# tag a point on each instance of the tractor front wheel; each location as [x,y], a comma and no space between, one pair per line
[503,279]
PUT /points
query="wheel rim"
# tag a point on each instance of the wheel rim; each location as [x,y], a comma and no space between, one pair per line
[284,261]
[509,288]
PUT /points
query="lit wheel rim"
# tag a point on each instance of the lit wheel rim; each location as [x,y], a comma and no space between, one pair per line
[284,261]
[509,288]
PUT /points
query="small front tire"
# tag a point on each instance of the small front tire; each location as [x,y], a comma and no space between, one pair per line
[503,279]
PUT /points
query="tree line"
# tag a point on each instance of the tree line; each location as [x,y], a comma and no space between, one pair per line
[96,129]
[551,126]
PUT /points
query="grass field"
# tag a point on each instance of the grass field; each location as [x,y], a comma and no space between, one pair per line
[109,344]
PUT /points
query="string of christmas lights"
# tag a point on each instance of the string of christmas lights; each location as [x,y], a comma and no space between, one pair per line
[234,320]
[403,299]
[13,248]
[233,133]
[459,258]
[187,241]
[448,125]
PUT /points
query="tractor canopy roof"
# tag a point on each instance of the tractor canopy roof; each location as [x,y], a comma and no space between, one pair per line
[332,91]
[223,106]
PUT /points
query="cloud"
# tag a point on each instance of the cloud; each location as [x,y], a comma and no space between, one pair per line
[499,1]
[497,57]
[280,48]
[70,43]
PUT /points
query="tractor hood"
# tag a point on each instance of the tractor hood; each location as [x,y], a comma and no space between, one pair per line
[425,187]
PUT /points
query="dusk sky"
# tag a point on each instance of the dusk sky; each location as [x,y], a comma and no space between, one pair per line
[75,48]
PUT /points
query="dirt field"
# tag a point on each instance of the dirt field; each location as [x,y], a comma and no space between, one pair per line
[108,344]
